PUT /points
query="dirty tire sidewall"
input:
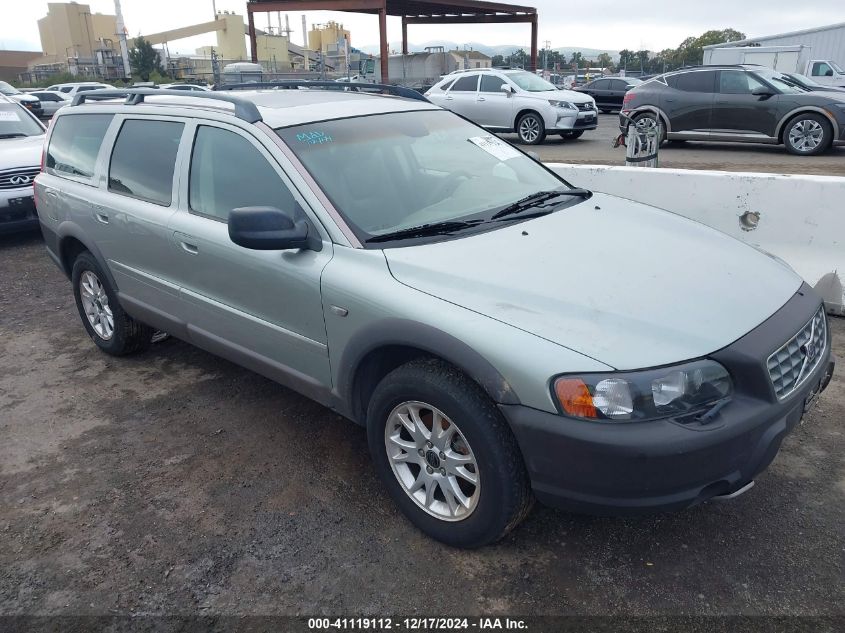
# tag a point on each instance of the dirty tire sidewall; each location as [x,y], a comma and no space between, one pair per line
[129,335]
[827,131]
[505,497]
[540,125]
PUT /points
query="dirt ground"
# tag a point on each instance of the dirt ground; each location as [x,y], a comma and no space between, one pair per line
[174,482]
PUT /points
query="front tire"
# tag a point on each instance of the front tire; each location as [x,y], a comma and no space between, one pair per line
[807,134]
[111,329]
[446,455]
[531,129]
[571,136]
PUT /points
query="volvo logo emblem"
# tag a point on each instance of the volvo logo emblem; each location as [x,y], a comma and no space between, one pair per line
[20,180]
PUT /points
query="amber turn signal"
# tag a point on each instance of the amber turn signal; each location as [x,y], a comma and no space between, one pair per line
[575,398]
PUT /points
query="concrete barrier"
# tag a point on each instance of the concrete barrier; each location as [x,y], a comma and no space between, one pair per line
[799,218]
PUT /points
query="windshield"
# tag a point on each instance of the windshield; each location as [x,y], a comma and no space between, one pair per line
[530,82]
[8,89]
[389,172]
[781,82]
[803,80]
[835,66]
[15,121]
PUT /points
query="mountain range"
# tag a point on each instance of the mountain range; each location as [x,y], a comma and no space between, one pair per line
[502,49]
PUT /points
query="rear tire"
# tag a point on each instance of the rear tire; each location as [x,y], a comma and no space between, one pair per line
[111,329]
[650,119]
[421,471]
[531,129]
[807,134]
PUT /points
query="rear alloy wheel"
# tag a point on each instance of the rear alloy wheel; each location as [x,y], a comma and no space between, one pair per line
[571,136]
[807,135]
[111,329]
[531,129]
[446,454]
[648,122]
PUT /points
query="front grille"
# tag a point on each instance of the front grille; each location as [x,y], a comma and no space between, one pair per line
[790,366]
[27,174]
[586,107]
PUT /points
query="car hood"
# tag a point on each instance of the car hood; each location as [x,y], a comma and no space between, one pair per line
[20,152]
[24,97]
[561,95]
[621,282]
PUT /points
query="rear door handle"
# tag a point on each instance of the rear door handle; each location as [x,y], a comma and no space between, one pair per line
[191,249]
[449,99]
[482,99]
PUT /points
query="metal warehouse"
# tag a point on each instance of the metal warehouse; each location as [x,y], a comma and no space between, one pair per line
[826,42]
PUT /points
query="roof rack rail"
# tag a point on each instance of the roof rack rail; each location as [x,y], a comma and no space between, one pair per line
[289,84]
[245,110]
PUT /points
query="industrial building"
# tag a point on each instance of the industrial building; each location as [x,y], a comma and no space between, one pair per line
[826,42]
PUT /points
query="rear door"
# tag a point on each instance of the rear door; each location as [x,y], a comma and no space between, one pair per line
[262,309]
[689,100]
[737,111]
[461,97]
[616,92]
[131,214]
[598,90]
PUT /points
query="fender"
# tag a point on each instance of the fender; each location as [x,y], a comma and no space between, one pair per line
[68,228]
[403,332]
[801,109]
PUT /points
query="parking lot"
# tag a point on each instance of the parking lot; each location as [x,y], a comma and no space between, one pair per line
[596,147]
[173,482]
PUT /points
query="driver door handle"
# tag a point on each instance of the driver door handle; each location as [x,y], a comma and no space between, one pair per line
[482,99]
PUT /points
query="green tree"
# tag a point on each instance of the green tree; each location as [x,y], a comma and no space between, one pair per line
[626,59]
[605,61]
[144,60]
[577,60]
[498,60]
[691,50]
[518,58]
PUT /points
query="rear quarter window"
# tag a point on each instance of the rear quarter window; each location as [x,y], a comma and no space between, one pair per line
[75,143]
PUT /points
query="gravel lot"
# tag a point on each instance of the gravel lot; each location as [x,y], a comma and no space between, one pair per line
[174,482]
[595,147]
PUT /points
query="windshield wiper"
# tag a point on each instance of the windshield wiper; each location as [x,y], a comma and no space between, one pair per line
[426,230]
[538,199]
[12,135]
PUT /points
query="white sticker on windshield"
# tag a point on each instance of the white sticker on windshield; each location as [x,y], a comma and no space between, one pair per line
[495,146]
[9,115]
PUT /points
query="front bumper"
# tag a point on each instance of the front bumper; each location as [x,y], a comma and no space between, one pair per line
[17,210]
[568,120]
[665,465]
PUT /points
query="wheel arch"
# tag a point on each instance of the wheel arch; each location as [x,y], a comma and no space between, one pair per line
[789,116]
[384,346]
[71,242]
[522,113]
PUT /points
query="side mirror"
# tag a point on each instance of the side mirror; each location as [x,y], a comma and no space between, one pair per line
[270,229]
[829,73]
[762,91]
[508,90]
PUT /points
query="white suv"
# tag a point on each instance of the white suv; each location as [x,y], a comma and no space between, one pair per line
[515,101]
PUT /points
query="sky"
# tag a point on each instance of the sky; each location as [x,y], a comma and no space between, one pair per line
[602,24]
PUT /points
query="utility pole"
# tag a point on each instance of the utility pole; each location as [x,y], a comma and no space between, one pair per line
[548,46]
[121,36]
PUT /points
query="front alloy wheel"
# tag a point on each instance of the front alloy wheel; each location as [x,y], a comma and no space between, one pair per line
[432,461]
[807,135]
[531,129]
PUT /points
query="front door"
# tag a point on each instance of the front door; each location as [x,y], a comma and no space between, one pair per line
[493,108]
[737,111]
[262,309]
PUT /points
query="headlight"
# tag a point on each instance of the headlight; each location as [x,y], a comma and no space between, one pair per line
[562,104]
[650,394]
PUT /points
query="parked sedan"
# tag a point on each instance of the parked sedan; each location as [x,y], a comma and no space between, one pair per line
[609,91]
[51,101]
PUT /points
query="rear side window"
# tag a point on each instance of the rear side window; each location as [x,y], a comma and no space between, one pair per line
[466,84]
[75,143]
[228,172]
[144,158]
[601,84]
[737,82]
[698,81]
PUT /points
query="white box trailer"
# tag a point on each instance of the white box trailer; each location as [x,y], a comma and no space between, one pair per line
[786,59]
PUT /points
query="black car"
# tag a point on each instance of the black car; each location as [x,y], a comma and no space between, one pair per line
[609,91]
[747,104]
[802,81]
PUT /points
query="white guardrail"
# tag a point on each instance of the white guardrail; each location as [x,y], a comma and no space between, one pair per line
[799,218]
